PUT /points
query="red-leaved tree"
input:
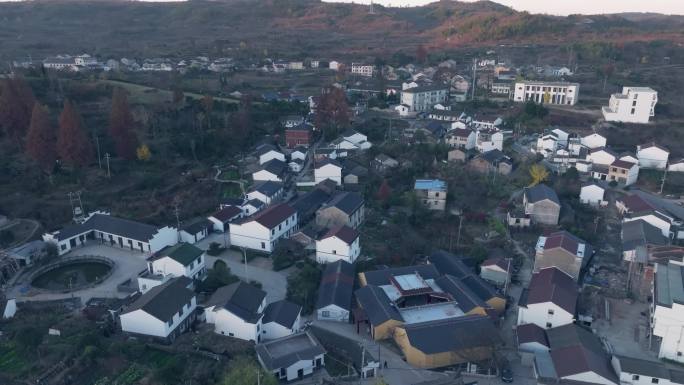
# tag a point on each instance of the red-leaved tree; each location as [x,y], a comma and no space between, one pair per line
[16,105]
[41,138]
[121,125]
[384,191]
[332,112]
[73,144]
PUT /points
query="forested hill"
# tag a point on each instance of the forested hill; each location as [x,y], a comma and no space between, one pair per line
[297,27]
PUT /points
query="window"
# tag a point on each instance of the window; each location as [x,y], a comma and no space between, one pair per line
[273,232]
[549,325]
[283,372]
[325,313]
[263,245]
[632,112]
[334,251]
[634,103]
[654,380]
[170,322]
[180,312]
[635,377]
[280,227]
[550,311]
[63,247]
[231,335]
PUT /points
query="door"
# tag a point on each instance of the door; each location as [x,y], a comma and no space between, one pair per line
[120,242]
[300,373]
[318,362]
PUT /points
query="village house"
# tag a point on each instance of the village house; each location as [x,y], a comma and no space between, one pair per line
[651,155]
[383,162]
[28,253]
[308,203]
[531,340]
[491,161]
[358,139]
[463,138]
[292,357]
[353,173]
[488,140]
[667,310]
[561,93]
[542,204]
[338,243]
[117,232]
[299,135]
[362,360]
[180,260]
[222,218]
[335,292]
[676,166]
[574,355]
[622,172]
[328,169]
[636,371]
[563,251]
[424,98]
[639,238]
[267,192]
[550,300]
[264,229]
[345,208]
[432,193]
[267,152]
[236,311]
[594,140]
[363,69]
[441,113]
[593,194]
[273,170]
[281,319]
[633,105]
[603,156]
[496,271]
[163,313]
[457,155]
[252,207]
[195,230]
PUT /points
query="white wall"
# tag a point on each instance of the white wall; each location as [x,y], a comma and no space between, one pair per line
[263,158]
[252,234]
[334,313]
[306,365]
[652,157]
[601,157]
[10,308]
[589,377]
[328,171]
[263,175]
[193,238]
[333,249]
[273,330]
[141,322]
[658,222]
[592,195]
[594,141]
[559,93]
[226,323]
[538,314]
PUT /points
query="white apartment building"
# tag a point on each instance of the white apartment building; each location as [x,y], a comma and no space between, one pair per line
[633,105]
[561,93]
[363,69]
[667,309]
[423,98]
[262,230]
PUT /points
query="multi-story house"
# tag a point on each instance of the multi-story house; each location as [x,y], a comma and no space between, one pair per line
[344,208]
[424,98]
[550,300]
[563,251]
[432,193]
[542,204]
[560,93]
[363,69]
[633,105]
[263,230]
[667,309]
[339,243]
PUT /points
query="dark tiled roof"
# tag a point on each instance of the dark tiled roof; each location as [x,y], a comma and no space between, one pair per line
[382,276]
[495,156]
[275,167]
[165,300]
[622,164]
[256,203]
[451,264]
[183,253]
[643,367]
[541,192]
[453,334]
[109,224]
[268,188]
[197,226]
[467,299]
[531,333]
[636,204]
[239,298]
[337,285]
[282,312]
[227,213]
[653,144]
[641,233]
[348,202]
[377,306]
[283,352]
[272,216]
[345,233]
[308,203]
[265,148]
[576,350]
[346,347]
[328,161]
[552,285]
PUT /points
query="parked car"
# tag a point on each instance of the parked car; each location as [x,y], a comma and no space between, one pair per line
[506,374]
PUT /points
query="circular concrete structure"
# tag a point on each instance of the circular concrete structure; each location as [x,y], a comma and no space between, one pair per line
[72,273]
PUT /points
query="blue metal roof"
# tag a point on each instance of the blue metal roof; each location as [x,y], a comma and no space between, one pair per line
[430,184]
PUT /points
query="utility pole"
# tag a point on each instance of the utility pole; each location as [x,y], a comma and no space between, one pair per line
[244,254]
[176,211]
[109,174]
[458,238]
[472,97]
[97,145]
[258,377]
[662,184]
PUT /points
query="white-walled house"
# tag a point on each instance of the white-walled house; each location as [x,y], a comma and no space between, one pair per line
[335,292]
[489,139]
[267,152]
[550,300]
[358,139]
[593,194]
[195,231]
[424,98]
[113,231]
[594,140]
[273,170]
[292,357]
[651,155]
[262,230]
[164,312]
[180,260]
[676,166]
[601,156]
[667,309]
[653,217]
[328,169]
[633,105]
[267,192]
[222,218]
[339,243]
[540,92]
[636,371]
[236,311]
[281,318]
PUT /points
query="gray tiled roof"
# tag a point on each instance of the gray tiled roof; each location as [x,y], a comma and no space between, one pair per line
[165,300]
[239,298]
[377,305]
[641,233]
[113,225]
[669,284]
[282,312]
[348,202]
[283,352]
[453,334]
[541,192]
[268,188]
[382,276]
[337,285]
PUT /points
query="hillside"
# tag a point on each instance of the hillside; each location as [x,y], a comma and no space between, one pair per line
[296,27]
